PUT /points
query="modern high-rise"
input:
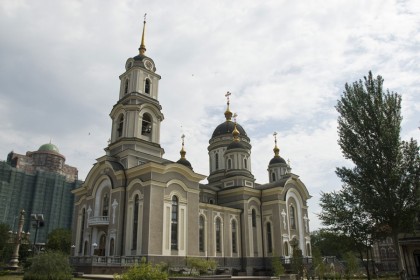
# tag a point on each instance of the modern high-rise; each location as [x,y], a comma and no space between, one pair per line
[40,183]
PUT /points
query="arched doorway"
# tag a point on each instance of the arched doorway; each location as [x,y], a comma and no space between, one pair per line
[101,249]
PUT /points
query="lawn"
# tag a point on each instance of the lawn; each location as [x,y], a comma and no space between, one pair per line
[20,277]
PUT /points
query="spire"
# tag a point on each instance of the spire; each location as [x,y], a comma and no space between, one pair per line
[276,149]
[235,132]
[183,152]
[142,48]
[228,113]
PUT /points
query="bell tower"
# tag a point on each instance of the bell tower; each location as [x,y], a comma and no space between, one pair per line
[136,117]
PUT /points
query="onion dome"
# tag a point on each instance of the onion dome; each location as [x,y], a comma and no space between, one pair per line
[277,158]
[183,160]
[236,143]
[48,148]
[228,126]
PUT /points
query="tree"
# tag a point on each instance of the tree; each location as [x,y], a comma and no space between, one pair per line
[348,221]
[59,240]
[385,179]
[331,243]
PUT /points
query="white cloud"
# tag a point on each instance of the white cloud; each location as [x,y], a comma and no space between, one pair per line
[285,63]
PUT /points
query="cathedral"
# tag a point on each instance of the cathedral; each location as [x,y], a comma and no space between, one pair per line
[135,203]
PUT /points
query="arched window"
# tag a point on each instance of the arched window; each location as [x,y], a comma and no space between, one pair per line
[308,249]
[216,159]
[292,217]
[254,218]
[269,240]
[147,86]
[218,236]
[234,234]
[102,241]
[82,230]
[120,126]
[245,163]
[286,248]
[273,177]
[111,247]
[135,222]
[201,234]
[229,163]
[105,205]
[383,253]
[126,86]
[146,125]
[174,224]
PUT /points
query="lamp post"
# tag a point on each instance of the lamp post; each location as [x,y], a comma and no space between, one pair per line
[38,221]
[17,238]
[94,247]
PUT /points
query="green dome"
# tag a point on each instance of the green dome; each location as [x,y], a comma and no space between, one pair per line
[49,147]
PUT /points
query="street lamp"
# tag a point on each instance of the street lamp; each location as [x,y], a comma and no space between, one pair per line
[94,247]
[38,221]
[17,238]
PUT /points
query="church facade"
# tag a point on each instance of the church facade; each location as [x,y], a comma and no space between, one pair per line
[135,203]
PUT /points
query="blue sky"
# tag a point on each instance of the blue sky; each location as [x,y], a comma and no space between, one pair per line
[285,62]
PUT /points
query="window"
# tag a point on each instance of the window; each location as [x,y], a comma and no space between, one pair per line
[273,177]
[254,218]
[229,164]
[174,224]
[292,217]
[147,86]
[308,249]
[286,248]
[269,240]
[105,205]
[135,222]
[82,230]
[120,126]
[216,159]
[201,234]
[218,236]
[245,163]
[127,81]
[85,249]
[234,245]
[111,247]
[146,125]
[102,241]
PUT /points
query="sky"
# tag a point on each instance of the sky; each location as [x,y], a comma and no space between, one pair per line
[285,63]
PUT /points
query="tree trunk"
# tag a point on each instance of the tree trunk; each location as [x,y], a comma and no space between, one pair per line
[366,265]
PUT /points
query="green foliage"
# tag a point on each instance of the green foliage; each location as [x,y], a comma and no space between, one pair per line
[143,271]
[4,235]
[278,268]
[331,243]
[380,193]
[201,265]
[49,266]
[297,262]
[352,264]
[59,240]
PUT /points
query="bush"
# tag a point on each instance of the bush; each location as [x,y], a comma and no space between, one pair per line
[201,265]
[49,266]
[143,271]
[278,268]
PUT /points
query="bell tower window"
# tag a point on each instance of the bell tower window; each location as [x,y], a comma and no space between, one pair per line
[229,164]
[147,86]
[216,159]
[273,177]
[146,125]
[120,126]
[127,81]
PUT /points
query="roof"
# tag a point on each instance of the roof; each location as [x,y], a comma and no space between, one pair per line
[49,148]
[277,159]
[227,127]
